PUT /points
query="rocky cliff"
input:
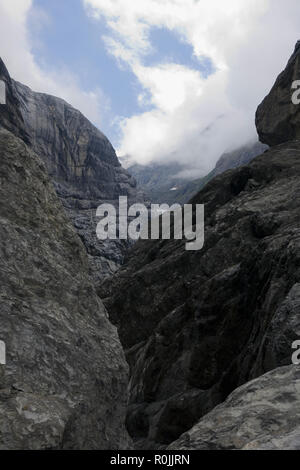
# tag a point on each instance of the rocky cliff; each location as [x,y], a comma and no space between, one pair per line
[65,379]
[80,161]
[238,157]
[197,325]
[201,330]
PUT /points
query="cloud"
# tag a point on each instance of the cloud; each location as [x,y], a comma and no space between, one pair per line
[194,119]
[16,52]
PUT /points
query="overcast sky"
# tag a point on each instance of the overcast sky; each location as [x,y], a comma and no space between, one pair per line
[163,79]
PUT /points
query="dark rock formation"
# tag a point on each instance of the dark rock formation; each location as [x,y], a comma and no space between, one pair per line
[261,415]
[64,384]
[196,325]
[80,160]
[277,118]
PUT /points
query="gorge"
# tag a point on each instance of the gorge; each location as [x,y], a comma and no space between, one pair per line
[151,346]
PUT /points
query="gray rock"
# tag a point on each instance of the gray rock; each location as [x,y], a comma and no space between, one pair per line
[277,118]
[80,161]
[64,384]
[283,330]
[196,325]
[262,415]
[10,115]
[239,157]
[160,181]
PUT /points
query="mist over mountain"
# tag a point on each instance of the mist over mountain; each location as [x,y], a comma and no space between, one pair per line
[121,345]
[172,80]
[163,183]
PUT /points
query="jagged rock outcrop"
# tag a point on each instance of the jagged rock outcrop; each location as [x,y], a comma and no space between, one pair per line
[278,118]
[196,325]
[239,157]
[262,415]
[80,160]
[227,161]
[65,380]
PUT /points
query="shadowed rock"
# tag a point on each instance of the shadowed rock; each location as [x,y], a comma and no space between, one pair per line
[262,415]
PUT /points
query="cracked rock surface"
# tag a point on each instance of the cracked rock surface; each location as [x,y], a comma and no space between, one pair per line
[196,325]
[65,379]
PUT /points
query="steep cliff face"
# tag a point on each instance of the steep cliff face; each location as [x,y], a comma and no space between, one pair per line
[10,114]
[278,118]
[239,157]
[196,325]
[65,380]
[261,415]
[80,160]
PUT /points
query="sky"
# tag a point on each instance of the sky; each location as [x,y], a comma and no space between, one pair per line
[165,80]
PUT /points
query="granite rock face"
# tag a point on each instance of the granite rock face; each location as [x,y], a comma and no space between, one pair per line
[239,157]
[159,181]
[277,118]
[80,161]
[65,379]
[197,325]
[262,415]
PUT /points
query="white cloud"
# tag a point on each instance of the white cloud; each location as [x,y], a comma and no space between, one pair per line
[194,119]
[15,50]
